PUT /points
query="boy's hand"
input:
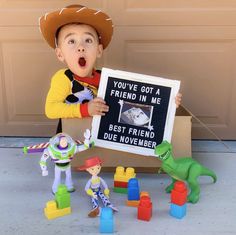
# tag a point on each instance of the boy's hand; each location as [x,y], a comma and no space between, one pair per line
[178,99]
[97,106]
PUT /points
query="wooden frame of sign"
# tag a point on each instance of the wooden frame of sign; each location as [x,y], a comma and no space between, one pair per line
[141,111]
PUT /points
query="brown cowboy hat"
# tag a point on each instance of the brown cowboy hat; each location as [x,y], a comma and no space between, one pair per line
[51,22]
[90,162]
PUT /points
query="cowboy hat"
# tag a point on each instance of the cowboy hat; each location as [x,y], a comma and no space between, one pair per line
[90,162]
[51,22]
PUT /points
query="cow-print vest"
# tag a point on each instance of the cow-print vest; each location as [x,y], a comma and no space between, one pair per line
[80,94]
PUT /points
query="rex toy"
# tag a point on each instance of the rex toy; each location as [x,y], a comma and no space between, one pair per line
[183,169]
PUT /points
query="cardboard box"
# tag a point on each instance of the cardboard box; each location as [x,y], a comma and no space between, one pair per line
[181,141]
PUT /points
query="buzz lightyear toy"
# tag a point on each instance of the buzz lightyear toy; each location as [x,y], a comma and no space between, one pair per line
[61,148]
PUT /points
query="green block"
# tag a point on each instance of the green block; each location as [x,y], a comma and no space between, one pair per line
[62,197]
[120,190]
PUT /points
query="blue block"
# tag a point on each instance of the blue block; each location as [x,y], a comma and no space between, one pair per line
[178,211]
[133,190]
[106,220]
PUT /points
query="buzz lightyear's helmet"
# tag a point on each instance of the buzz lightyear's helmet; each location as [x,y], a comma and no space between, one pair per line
[59,153]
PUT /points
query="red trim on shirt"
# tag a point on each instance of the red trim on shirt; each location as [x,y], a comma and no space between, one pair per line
[84,110]
[94,80]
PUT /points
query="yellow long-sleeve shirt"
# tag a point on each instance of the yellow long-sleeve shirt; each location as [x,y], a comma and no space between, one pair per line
[69,93]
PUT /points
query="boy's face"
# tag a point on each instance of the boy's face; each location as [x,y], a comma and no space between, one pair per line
[94,170]
[78,47]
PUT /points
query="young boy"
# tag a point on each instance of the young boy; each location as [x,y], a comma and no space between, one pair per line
[95,185]
[78,35]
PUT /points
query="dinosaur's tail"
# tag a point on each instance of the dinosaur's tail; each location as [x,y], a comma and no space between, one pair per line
[208,172]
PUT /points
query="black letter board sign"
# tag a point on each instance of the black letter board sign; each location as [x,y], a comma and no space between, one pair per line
[141,111]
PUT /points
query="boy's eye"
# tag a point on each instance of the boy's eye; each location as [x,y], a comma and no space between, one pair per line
[89,40]
[71,41]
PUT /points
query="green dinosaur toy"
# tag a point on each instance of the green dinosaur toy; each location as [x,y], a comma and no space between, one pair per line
[183,169]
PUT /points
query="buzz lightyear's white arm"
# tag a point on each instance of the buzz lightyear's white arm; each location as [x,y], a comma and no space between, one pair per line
[43,162]
[87,142]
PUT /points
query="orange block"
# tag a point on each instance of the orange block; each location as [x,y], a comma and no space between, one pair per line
[132,203]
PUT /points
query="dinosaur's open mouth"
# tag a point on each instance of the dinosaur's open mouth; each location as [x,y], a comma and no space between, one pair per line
[164,155]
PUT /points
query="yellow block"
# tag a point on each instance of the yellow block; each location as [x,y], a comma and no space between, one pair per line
[51,211]
[124,175]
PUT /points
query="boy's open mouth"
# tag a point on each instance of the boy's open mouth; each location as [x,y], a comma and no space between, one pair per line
[82,61]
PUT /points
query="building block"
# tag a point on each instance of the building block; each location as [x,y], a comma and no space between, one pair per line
[120,174]
[144,193]
[132,203]
[120,184]
[124,175]
[178,211]
[106,220]
[133,189]
[135,203]
[145,208]
[120,190]
[179,193]
[62,197]
[51,211]
[130,173]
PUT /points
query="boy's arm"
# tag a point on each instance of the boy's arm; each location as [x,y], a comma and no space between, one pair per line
[55,106]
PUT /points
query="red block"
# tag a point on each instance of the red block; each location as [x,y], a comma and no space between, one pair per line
[145,208]
[179,193]
[120,184]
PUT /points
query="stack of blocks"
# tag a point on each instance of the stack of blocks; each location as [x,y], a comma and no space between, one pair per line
[144,207]
[121,179]
[133,193]
[106,220]
[178,200]
[60,206]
